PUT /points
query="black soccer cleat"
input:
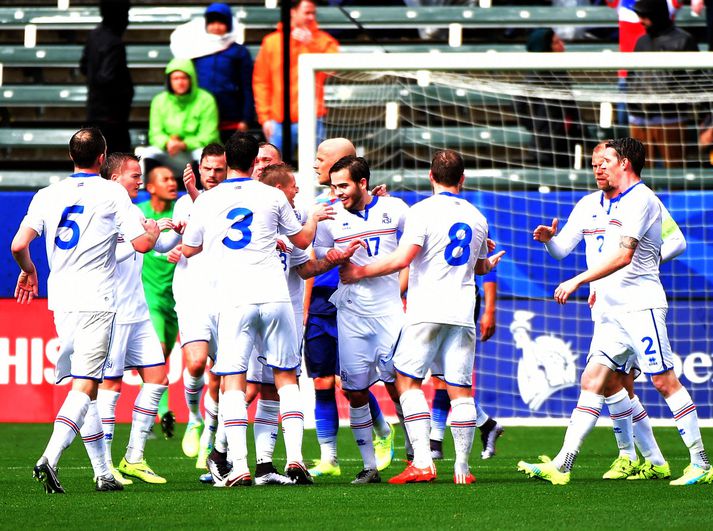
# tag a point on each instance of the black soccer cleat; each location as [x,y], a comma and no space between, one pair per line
[298,474]
[489,433]
[47,475]
[168,424]
[108,484]
[218,466]
[436,449]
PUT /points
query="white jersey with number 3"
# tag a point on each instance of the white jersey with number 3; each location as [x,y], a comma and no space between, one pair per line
[452,234]
[81,218]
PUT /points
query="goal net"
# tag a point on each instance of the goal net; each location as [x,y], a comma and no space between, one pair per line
[526,125]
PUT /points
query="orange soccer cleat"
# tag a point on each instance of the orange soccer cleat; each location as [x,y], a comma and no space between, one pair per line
[414,475]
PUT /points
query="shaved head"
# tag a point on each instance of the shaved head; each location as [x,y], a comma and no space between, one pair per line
[329,152]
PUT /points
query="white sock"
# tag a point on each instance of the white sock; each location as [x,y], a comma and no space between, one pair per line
[193,388]
[407,441]
[481,417]
[221,442]
[583,419]
[293,422]
[93,438]
[686,419]
[438,431]
[644,435]
[235,421]
[106,405]
[361,425]
[463,415]
[142,420]
[211,421]
[67,424]
[417,419]
[265,429]
[620,411]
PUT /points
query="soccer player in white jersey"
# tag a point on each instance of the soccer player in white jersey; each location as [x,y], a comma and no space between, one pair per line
[81,218]
[444,242]
[632,322]
[588,222]
[134,343]
[237,224]
[369,313]
[197,319]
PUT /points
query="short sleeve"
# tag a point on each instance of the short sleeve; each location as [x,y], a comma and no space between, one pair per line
[129,216]
[637,217]
[34,218]
[415,228]
[195,228]
[288,224]
[299,257]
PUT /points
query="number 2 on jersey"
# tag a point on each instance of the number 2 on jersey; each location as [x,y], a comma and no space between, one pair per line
[70,224]
[244,218]
[458,250]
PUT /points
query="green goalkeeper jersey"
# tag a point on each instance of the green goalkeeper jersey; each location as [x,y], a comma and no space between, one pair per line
[157,273]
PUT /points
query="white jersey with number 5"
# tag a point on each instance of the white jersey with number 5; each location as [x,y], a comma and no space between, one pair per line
[237,223]
[452,235]
[81,218]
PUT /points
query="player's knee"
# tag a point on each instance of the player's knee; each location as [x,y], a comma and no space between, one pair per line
[113,384]
[358,398]
[324,383]
[666,383]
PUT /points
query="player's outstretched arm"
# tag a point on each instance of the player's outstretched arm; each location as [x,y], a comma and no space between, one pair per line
[319,212]
[544,233]
[487,320]
[189,251]
[485,265]
[674,242]
[27,282]
[614,262]
[399,259]
[189,180]
[147,240]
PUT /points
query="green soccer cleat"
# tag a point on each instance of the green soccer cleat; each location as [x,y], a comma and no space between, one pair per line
[709,476]
[651,471]
[326,468]
[191,442]
[140,470]
[544,470]
[622,468]
[384,449]
[202,459]
[692,474]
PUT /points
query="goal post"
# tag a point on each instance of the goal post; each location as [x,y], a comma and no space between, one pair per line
[526,124]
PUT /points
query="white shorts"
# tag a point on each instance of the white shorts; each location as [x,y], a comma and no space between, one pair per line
[198,325]
[366,348]
[259,371]
[632,340]
[133,346]
[85,339]
[448,350]
[239,328]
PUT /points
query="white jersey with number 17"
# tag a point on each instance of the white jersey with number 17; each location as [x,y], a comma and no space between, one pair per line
[452,235]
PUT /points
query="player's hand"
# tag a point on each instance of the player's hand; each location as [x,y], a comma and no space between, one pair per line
[491,245]
[592,299]
[26,288]
[337,257]
[189,178]
[565,289]
[165,224]
[487,326]
[350,273]
[281,246]
[175,254]
[379,190]
[495,259]
[151,227]
[321,211]
[180,226]
[543,233]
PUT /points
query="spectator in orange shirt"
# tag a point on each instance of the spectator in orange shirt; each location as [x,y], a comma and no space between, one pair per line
[305,37]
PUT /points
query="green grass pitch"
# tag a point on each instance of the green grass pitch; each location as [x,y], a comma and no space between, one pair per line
[502,498]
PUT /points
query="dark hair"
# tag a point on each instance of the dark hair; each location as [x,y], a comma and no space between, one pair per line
[240,151]
[447,167]
[357,166]
[632,150]
[294,4]
[273,146]
[275,174]
[114,162]
[212,150]
[152,174]
[86,146]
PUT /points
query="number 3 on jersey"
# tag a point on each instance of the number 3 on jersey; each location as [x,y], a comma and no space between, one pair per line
[70,224]
[457,251]
[244,218]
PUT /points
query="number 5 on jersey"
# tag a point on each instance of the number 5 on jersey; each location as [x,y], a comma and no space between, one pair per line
[67,223]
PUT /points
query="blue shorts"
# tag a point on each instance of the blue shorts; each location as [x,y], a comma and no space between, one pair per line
[320,344]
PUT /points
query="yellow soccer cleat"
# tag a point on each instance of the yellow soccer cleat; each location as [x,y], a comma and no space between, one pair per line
[384,450]
[140,470]
[118,477]
[191,442]
[692,474]
[622,468]
[650,471]
[326,468]
[545,471]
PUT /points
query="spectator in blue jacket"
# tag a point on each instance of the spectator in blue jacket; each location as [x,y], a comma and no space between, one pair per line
[224,67]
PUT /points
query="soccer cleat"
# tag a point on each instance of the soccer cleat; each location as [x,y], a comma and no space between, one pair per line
[622,468]
[464,479]
[206,478]
[140,470]
[544,470]
[367,475]
[191,443]
[108,484]
[47,475]
[273,478]
[326,468]
[651,471]
[299,474]
[384,449]
[709,476]
[121,479]
[202,458]
[218,466]
[692,474]
[436,449]
[238,479]
[489,433]
[168,423]
[415,475]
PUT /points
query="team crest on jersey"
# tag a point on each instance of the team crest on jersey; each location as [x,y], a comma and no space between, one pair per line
[385,219]
[547,364]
